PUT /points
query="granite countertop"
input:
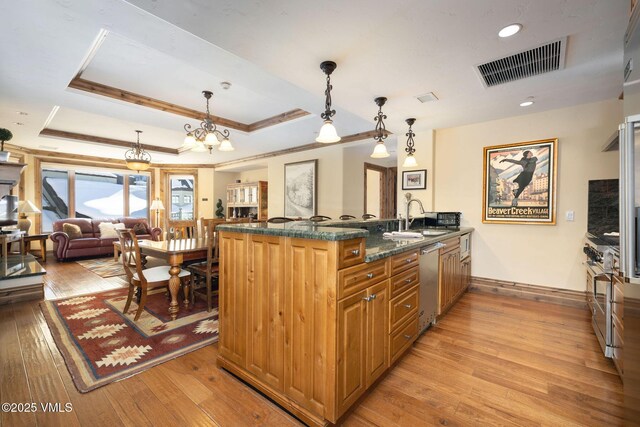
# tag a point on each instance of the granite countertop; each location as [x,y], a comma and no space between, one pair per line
[377,247]
[299,229]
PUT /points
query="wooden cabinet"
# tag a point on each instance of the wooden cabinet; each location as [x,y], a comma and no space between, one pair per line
[362,343]
[454,275]
[250,198]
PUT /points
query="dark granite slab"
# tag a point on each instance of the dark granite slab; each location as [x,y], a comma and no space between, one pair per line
[18,266]
[377,247]
[298,229]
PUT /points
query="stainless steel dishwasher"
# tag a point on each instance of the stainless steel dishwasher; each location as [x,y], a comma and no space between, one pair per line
[429,265]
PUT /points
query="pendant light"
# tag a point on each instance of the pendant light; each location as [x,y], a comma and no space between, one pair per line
[410,160]
[328,132]
[207,136]
[380,151]
[137,158]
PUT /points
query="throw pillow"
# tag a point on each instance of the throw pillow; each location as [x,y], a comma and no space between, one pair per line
[72,230]
[140,228]
[108,230]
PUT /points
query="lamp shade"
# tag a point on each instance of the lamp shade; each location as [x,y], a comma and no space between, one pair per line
[410,162]
[189,141]
[157,205]
[26,207]
[328,133]
[225,145]
[380,151]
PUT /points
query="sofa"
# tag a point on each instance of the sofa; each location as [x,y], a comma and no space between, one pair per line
[91,244]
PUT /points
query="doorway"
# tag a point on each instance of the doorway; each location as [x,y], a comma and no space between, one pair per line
[380,190]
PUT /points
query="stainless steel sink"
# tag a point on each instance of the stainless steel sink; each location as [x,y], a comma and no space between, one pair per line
[434,232]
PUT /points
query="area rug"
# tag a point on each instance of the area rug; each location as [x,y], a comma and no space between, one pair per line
[100,344]
[103,267]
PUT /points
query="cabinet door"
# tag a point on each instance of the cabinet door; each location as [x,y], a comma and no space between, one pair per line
[265,306]
[377,331]
[466,273]
[449,278]
[232,310]
[351,349]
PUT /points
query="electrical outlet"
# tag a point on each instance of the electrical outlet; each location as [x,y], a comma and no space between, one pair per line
[570,215]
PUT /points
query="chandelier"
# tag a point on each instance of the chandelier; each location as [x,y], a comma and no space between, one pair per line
[380,151]
[137,158]
[328,132]
[207,136]
[410,160]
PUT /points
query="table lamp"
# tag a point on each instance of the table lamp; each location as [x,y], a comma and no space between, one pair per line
[157,206]
[26,207]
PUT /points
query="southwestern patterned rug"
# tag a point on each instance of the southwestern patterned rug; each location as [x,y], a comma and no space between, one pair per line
[100,344]
[103,267]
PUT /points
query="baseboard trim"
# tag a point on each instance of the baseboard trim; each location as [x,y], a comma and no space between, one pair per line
[565,297]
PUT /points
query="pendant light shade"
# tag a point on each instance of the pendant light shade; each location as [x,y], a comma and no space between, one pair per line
[137,158]
[410,160]
[199,147]
[189,141]
[225,145]
[328,133]
[380,151]
[211,139]
[207,136]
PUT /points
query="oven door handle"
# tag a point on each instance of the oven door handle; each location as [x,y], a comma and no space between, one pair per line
[597,275]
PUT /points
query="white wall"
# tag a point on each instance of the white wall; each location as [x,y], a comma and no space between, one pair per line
[254,175]
[533,254]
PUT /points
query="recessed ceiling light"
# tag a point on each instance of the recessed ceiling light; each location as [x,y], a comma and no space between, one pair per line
[22,113]
[510,30]
[18,124]
[225,85]
[526,103]
[427,97]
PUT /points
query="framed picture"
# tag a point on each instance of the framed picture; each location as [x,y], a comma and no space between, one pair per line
[519,183]
[414,180]
[300,189]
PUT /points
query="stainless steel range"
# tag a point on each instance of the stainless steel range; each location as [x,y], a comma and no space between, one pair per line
[602,263]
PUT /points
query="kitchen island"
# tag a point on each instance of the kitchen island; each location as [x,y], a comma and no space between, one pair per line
[313,315]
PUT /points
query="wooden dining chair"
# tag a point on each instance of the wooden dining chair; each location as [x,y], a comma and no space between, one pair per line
[204,222]
[143,279]
[206,272]
[319,218]
[279,220]
[368,216]
[182,229]
[345,217]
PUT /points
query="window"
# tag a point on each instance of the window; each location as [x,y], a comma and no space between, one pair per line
[182,197]
[92,193]
[55,197]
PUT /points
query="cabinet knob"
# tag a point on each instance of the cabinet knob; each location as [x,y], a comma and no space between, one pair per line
[408,259]
[356,252]
[367,299]
[408,337]
[373,296]
[369,275]
[407,305]
[407,281]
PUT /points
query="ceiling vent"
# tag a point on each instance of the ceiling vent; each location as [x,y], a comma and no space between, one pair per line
[542,59]
[427,97]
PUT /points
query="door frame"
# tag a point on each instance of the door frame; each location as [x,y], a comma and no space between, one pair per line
[388,189]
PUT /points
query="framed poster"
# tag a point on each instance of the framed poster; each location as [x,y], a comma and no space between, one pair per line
[300,189]
[519,183]
[414,180]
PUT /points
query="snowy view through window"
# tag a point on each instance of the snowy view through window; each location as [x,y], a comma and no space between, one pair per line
[98,194]
[182,197]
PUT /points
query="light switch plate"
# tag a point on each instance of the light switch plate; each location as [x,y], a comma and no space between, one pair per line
[570,215]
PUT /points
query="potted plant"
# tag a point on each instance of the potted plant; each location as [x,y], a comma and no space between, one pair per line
[5,135]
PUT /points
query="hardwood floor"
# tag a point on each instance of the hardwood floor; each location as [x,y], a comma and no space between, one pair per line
[492,360]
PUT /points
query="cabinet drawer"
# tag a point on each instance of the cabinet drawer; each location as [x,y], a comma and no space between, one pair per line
[450,245]
[361,276]
[403,281]
[350,252]
[403,307]
[403,261]
[401,340]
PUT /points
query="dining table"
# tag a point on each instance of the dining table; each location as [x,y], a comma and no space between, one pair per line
[175,252]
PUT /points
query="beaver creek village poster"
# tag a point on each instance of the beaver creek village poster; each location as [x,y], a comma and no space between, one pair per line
[520,183]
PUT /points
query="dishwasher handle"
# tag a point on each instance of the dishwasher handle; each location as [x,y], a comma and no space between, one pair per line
[431,248]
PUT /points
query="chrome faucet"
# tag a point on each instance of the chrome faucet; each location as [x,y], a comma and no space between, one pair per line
[408,222]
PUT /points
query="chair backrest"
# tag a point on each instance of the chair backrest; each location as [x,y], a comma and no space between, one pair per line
[367,216]
[319,218]
[204,223]
[131,260]
[182,229]
[343,217]
[279,220]
[213,247]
